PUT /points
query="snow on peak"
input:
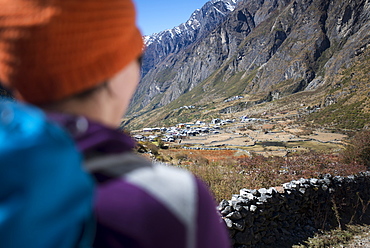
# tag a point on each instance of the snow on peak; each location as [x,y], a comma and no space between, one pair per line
[192,24]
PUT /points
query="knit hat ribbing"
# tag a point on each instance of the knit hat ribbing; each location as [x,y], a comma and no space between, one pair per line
[53,49]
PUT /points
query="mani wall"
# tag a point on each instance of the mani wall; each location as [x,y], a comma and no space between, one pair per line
[283,216]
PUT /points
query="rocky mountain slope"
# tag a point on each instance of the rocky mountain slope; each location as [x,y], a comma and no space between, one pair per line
[266,51]
[201,22]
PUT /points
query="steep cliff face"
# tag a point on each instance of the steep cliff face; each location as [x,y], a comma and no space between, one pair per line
[271,49]
[307,40]
[162,47]
[171,41]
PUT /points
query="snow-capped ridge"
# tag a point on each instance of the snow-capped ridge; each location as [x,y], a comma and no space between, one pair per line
[194,22]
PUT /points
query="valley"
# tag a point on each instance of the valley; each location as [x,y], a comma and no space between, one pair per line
[257,94]
[276,135]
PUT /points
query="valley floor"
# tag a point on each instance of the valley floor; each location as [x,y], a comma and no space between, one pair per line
[272,138]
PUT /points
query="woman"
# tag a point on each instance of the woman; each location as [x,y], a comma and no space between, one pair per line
[79,61]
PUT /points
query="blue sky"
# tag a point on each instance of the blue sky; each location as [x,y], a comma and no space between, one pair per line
[157,15]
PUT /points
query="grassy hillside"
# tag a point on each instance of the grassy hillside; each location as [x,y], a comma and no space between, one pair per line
[346,104]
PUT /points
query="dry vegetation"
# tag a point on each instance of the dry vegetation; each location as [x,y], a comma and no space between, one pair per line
[353,236]
[228,171]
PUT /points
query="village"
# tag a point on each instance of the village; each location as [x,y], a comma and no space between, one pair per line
[275,135]
[182,131]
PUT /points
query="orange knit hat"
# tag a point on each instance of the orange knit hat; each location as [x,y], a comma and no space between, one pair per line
[52,49]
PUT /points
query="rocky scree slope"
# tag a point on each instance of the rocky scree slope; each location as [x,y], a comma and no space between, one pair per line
[266,49]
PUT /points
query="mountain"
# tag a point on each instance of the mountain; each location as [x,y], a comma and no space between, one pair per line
[265,51]
[170,41]
[173,41]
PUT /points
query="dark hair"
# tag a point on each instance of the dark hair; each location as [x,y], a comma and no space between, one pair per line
[140,60]
[89,92]
[5,93]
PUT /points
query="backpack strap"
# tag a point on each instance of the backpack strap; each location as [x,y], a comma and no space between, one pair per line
[114,166]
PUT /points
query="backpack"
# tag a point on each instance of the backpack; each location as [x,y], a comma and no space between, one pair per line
[45,196]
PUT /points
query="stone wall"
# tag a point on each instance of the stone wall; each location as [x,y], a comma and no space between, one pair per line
[283,216]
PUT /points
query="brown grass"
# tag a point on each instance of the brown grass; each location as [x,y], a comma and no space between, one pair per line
[227,171]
